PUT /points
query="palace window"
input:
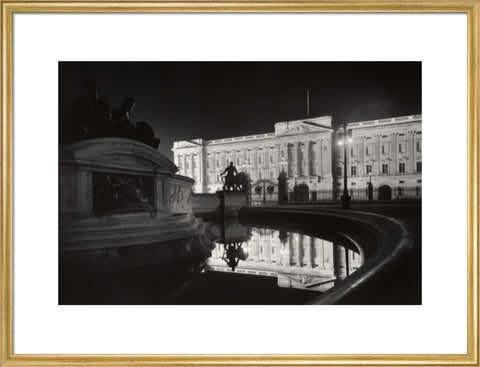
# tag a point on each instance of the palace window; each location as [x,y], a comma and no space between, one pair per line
[419,146]
[188,164]
[385,169]
[353,170]
[218,163]
[194,164]
[367,150]
[369,168]
[272,174]
[419,166]
[271,159]
[249,160]
[260,160]
[384,148]
[401,167]
[339,171]
[238,161]
[402,147]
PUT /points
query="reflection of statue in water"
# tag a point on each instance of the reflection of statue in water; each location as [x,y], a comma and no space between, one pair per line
[233,253]
[234,181]
[90,117]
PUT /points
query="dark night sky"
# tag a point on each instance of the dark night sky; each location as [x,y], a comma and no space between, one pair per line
[188,100]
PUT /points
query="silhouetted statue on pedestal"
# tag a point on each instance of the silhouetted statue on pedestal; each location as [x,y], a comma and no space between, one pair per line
[146,135]
[124,127]
[231,172]
[90,117]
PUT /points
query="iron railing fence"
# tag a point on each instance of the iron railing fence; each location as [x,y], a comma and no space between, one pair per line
[357,194]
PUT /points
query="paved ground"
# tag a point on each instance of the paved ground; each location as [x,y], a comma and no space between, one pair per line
[405,285]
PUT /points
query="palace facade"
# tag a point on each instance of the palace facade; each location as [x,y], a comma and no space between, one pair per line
[386,152]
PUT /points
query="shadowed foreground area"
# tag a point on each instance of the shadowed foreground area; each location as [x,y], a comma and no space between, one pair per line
[396,277]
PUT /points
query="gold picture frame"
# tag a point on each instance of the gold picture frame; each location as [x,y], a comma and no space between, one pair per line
[9,8]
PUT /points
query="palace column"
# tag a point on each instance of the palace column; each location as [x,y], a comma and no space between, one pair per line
[255,162]
[320,253]
[307,158]
[312,252]
[297,159]
[319,162]
[192,160]
[244,160]
[339,262]
[394,138]
[290,249]
[278,158]
[201,167]
[266,163]
[378,154]
[279,248]
[300,251]
[411,152]
[361,155]
[327,158]
[268,249]
[291,159]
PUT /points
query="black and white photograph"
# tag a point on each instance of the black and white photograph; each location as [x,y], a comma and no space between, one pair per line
[240,183]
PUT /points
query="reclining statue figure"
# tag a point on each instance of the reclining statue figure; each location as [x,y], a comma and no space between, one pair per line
[90,117]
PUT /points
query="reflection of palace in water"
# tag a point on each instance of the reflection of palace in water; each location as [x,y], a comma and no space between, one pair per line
[297,260]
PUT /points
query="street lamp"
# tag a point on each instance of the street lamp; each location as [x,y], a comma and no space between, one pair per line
[283,162]
[282,182]
[344,138]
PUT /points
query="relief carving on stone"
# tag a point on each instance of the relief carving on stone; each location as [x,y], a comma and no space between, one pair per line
[116,194]
[181,199]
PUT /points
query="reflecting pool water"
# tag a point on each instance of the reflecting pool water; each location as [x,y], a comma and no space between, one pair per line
[246,265]
[294,259]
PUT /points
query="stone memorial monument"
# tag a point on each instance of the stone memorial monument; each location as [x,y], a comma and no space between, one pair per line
[117,191]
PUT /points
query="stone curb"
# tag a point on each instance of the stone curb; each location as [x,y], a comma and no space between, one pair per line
[392,243]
